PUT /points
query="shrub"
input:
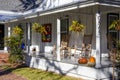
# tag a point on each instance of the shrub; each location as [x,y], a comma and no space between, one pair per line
[14,45]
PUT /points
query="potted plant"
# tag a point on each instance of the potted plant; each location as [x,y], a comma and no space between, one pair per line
[115,25]
[14,46]
[38,28]
[76,27]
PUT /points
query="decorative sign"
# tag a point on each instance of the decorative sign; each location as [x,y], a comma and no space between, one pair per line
[46,36]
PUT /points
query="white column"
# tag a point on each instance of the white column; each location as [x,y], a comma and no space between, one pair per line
[58,39]
[98,54]
[9,30]
[28,40]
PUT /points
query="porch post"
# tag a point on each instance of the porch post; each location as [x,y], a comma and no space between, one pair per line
[28,41]
[98,54]
[58,39]
[9,30]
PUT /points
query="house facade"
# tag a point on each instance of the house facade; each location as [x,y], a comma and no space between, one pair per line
[57,16]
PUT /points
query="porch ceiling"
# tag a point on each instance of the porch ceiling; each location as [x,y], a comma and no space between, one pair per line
[5,18]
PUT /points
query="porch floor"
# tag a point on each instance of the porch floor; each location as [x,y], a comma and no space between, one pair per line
[105,62]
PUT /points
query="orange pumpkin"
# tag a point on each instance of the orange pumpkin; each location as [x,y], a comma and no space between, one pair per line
[82,61]
[92,59]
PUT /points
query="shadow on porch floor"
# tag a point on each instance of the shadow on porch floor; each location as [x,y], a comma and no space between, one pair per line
[105,62]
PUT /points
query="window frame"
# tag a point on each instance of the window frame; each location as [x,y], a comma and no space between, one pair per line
[110,18]
[66,31]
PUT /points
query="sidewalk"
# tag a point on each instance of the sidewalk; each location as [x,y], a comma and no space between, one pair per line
[7,74]
[10,76]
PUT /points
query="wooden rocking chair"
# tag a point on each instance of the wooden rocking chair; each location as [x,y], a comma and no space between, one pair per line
[87,41]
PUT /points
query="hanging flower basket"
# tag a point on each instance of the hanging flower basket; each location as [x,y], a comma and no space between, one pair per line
[76,27]
[115,25]
[36,27]
[17,31]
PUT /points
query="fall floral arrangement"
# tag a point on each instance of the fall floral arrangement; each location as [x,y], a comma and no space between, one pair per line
[115,25]
[38,28]
[17,31]
[76,27]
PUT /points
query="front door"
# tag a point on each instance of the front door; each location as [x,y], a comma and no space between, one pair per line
[1,36]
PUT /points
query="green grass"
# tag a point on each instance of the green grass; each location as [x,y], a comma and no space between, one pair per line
[5,67]
[37,74]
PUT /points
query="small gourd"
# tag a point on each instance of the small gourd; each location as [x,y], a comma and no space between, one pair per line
[91,61]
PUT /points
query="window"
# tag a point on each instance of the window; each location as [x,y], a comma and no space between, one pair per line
[112,35]
[64,29]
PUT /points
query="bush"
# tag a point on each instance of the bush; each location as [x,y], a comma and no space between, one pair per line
[14,45]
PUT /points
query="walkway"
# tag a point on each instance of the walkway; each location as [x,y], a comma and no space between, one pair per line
[8,75]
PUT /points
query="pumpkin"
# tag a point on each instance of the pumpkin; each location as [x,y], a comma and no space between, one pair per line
[92,59]
[82,61]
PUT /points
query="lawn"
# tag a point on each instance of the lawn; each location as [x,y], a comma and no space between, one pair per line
[37,74]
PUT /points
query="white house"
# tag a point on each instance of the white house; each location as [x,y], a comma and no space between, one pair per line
[96,15]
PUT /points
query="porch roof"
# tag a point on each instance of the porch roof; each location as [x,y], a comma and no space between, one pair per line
[9,14]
